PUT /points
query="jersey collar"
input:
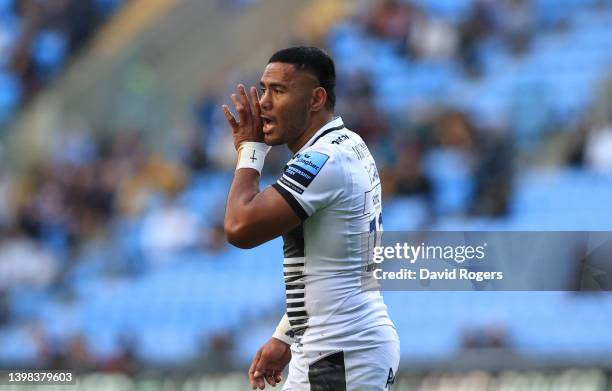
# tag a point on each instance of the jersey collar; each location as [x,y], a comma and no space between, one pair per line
[333,125]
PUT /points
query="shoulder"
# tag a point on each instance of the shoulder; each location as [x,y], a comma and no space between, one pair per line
[344,146]
[339,139]
[334,149]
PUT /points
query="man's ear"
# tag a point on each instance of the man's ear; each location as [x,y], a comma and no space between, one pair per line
[319,97]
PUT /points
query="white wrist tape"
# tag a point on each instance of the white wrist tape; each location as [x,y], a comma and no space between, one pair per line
[282,329]
[252,155]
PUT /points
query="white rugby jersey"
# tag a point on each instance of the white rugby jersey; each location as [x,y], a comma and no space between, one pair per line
[333,185]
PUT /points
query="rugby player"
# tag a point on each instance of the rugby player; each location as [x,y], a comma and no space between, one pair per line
[335,335]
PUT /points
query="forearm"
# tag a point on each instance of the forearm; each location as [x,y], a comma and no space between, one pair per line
[253,217]
[243,190]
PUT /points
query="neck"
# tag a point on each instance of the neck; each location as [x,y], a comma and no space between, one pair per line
[317,123]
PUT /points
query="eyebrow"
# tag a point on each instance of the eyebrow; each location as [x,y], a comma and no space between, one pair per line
[273,84]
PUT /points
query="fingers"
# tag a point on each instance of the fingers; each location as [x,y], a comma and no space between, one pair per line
[261,384]
[270,378]
[246,110]
[256,381]
[244,102]
[229,116]
[252,379]
[255,106]
[242,95]
[262,373]
[242,110]
[273,378]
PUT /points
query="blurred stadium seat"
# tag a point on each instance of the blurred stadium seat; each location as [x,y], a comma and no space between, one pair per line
[486,129]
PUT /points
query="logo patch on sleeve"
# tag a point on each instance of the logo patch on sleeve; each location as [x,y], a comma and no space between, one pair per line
[305,167]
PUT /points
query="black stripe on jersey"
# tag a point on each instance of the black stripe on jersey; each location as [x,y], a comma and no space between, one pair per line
[295,295]
[293,245]
[296,314]
[299,304]
[290,279]
[293,249]
[296,286]
[296,273]
[293,203]
[328,131]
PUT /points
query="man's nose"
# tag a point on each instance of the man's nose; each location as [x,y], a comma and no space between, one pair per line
[264,101]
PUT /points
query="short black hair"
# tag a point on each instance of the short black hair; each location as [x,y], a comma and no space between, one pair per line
[314,61]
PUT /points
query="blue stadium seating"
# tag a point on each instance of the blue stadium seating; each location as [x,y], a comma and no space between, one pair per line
[10,94]
[169,308]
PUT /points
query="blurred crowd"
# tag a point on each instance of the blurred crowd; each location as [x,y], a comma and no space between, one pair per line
[91,185]
[419,36]
[407,147]
[66,210]
[60,205]
[37,39]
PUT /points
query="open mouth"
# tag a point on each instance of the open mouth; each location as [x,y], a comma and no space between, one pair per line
[267,123]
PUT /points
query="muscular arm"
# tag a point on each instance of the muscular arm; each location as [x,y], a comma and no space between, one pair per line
[253,217]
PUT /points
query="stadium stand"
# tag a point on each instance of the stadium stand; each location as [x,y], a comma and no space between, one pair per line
[112,255]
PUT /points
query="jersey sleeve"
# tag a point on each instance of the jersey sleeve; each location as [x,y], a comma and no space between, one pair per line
[311,180]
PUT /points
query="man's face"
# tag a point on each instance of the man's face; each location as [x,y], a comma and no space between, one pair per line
[286,96]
